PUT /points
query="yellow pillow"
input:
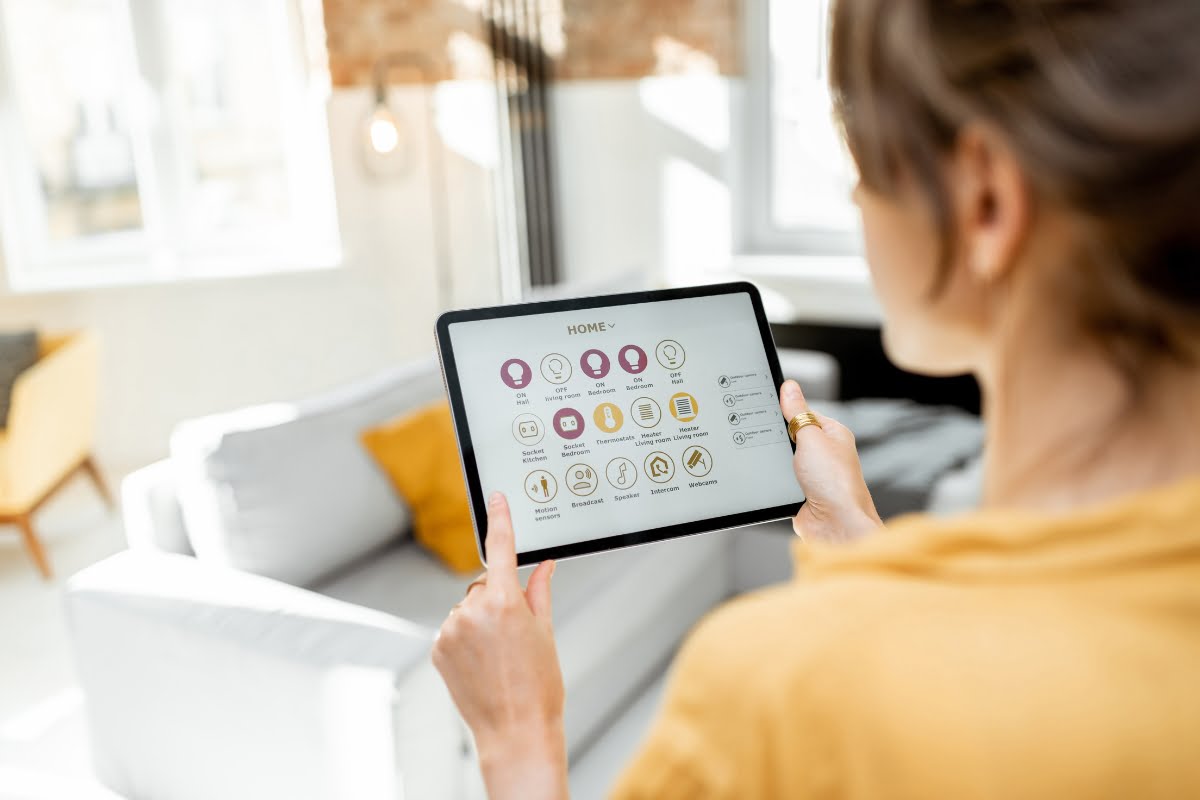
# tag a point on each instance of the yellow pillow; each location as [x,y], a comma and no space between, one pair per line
[419,455]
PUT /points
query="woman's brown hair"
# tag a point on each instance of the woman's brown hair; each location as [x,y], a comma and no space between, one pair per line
[1099,100]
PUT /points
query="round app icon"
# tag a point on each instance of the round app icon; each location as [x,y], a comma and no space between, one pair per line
[683,407]
[540,486]
[621,473]
[659,467]
[568,423]
[697,461]
[582,479]
[632,359]
[556,368]
[670,354]
[594,364]
[608,417]
[645,412]
[515,373]
[528,429]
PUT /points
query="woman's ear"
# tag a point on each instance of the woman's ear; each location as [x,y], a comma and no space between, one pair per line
[992,203]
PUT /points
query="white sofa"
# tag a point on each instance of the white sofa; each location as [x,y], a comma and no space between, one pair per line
[267,634]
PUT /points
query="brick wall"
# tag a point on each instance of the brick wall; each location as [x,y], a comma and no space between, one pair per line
[588,39]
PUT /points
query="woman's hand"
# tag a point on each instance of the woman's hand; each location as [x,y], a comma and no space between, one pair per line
[838,507]
[496,653]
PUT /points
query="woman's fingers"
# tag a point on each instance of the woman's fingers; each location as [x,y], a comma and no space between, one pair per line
[537,591]
[500,544]
[791,400]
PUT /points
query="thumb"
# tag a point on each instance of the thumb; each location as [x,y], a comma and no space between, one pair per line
[537,591]
[791,400]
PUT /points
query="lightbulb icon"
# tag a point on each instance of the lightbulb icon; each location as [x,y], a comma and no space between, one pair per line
[670,354]
[632,359]
[595,363]
[515,373]
[555,368]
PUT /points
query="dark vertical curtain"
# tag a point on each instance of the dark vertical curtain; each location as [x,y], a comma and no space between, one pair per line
[523,73]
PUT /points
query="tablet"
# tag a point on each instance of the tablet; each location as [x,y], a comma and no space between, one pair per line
[621,420]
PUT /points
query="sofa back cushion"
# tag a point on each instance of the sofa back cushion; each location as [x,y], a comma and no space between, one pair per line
[286,490]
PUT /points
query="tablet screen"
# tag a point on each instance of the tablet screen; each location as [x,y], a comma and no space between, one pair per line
[620,419]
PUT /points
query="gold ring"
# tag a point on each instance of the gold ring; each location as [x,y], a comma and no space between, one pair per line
[802,421]
[477,582]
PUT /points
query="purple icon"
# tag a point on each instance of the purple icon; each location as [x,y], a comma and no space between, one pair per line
[595,364]
[568,423]
[515,373]
[632,359]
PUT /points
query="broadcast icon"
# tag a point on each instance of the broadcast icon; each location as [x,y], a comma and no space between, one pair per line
[582,480]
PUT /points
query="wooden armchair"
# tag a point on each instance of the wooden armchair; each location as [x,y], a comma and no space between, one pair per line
[51,427]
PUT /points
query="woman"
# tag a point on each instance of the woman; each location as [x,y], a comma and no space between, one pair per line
[1030,195]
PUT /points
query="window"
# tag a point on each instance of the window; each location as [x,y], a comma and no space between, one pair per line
[798,176]
[147,140]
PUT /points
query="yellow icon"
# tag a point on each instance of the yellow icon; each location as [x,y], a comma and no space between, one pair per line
[684,407]
[697,461]
[608,417]
[659,467]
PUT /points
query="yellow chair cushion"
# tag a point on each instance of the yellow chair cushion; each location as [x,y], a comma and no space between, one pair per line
[419,454]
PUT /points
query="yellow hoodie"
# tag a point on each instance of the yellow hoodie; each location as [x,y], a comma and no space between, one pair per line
[993,655]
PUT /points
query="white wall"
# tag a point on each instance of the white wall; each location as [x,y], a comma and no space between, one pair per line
[179,350]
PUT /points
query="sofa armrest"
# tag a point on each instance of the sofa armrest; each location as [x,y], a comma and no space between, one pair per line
[151,512]
[202,681]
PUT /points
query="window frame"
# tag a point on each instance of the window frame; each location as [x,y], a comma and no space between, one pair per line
[161,251]
[757,231]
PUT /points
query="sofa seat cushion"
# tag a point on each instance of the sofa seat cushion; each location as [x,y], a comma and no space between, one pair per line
[286,490]
[617,616]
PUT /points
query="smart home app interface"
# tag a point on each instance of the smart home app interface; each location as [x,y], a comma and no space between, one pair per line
[608,421]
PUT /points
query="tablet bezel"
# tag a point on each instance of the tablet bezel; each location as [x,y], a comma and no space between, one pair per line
[466,448]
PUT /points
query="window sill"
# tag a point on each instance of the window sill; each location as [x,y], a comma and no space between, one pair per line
[823,289]
[144,273]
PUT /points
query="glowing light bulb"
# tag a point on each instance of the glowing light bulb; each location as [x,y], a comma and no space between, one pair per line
[383,132]
[595,363]
[632,357]
[516,373]
[556,366]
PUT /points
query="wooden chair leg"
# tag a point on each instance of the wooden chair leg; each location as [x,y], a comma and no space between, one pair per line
[34,545]
[93,471]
